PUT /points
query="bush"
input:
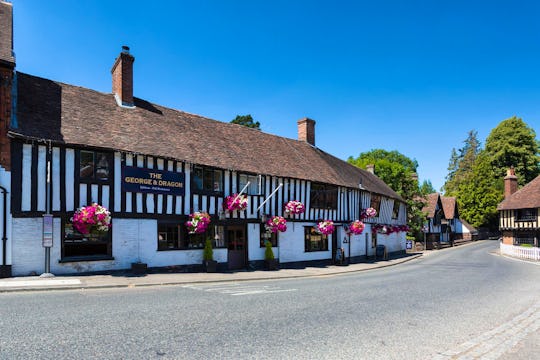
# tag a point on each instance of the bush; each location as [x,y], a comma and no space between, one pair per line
[208,253]
[268,253]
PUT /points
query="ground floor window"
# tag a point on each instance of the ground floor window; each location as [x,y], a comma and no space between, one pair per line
[76,246]
[315,241]
[268,236]
[525,238]
[174,236]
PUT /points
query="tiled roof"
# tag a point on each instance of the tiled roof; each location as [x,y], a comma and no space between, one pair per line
[528,197]
[469,227]
[431,204]
[449,207]
[6,40]
[78,116]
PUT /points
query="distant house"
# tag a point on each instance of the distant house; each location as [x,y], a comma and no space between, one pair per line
[518,218]
[468,231]
[443,224]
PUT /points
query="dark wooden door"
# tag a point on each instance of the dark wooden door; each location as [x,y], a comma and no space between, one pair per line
[237,246]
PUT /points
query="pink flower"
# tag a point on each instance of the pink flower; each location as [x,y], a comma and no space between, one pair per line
[275,224]
[357,227]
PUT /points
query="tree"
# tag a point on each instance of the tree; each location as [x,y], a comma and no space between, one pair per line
[479,194]
[427,188]
[399,173]
[246,120]
[513,143]
[461,164]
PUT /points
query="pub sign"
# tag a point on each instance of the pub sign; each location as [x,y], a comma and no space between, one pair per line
[135,179]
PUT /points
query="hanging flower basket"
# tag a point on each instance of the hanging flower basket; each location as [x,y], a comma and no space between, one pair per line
[325,227]
[92,219]
[356,227]
[198,222]
[294,207]
[235,202]
[389,229]
[368,213]
[276,224]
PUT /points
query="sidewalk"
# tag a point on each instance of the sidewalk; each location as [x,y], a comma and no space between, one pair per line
[127,279]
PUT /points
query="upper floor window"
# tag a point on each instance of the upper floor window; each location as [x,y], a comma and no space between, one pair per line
[323,196]
[395,210]
[207,180]
[94,165]
[375,202]
[256,184]
[525,214]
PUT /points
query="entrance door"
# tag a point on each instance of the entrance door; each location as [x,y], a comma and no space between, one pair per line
[237,245]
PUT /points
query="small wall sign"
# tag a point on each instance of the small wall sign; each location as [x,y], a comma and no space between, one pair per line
[47,230]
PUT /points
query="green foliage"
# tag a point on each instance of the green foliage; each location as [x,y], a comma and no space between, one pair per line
[461,164]
[246,120]
[475,176]
[479,194]
[513,143]
[208,252]
[427,188]
[268,252]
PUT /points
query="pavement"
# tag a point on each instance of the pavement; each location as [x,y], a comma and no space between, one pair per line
[127,279]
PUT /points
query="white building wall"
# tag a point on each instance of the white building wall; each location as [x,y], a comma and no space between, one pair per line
[291,245]
[27,251]
[393,242]
[5,181]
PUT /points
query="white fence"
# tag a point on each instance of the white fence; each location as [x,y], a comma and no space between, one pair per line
[529,253]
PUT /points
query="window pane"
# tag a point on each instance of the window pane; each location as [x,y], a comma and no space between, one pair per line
[376,202]
[87,165]
[168,236]
[254,188]
[197,178]
[76,244]
[395,210]
[102,167]
[208,180]
[315,241]
[218,182]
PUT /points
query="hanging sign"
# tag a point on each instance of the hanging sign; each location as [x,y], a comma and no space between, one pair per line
[47,230]
[153,181]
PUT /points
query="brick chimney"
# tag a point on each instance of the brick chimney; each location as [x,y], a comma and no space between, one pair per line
[306,130]
[370,168]
[7,71]
[122,78]
[510,183]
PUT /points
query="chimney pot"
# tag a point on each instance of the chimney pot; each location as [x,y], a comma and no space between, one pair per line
[306,130]
[371,168]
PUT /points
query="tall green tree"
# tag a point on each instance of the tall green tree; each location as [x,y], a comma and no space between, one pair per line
[246,120]
[426,188]
[479,194]
[513,143]
[399,172]
[461,163]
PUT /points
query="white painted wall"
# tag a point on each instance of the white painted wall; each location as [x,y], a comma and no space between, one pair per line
[291,245]
[5,181]
[393,242]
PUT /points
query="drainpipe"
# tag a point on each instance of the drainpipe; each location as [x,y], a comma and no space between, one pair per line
[4,222]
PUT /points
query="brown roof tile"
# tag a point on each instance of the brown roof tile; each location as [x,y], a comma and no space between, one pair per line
[528,197]
[78,116]
[449,207]
[431,204]
[6,32]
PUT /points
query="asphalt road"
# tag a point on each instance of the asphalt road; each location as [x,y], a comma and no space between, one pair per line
[455,302]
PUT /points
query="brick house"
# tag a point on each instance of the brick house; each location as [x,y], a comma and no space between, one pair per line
[63,147]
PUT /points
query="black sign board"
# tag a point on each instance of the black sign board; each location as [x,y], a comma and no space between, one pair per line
[153,181]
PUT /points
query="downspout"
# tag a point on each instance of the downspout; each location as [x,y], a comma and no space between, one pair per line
[4,222]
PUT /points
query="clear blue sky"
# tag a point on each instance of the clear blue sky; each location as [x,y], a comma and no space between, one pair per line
[412,76]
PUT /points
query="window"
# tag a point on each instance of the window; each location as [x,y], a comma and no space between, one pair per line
[207,180]
[375,202]
[395,210]
[315,241]
[273,237]
[76,246]
[524,238]
[256,184]
[94,165]
[525,214]
[323,196]
[174,236]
